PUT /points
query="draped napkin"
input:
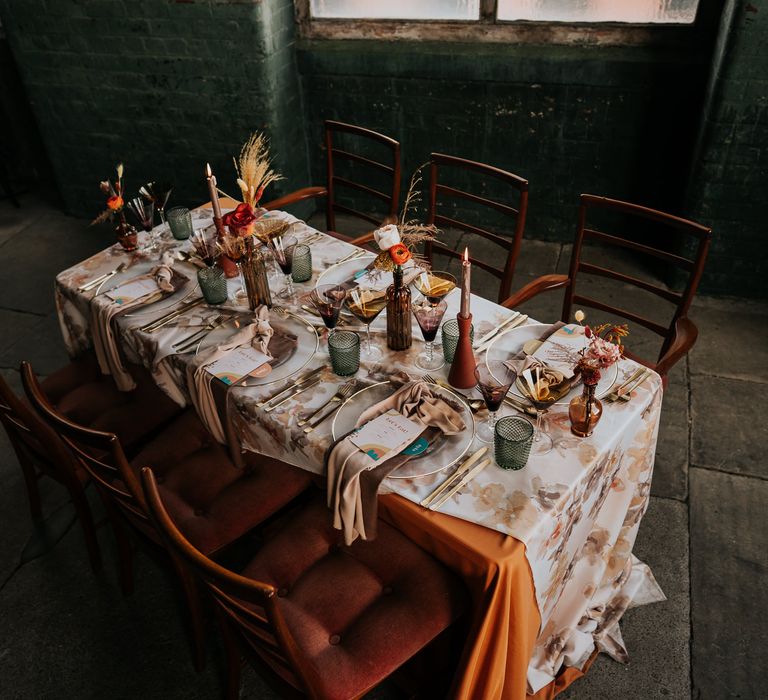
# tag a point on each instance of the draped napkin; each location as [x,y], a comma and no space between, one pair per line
[258,334]
[353,482]
[104,309]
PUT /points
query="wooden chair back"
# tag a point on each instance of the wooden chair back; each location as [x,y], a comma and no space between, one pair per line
[100,454]
[35,443]
[247,608]
[442,196]
[385,171]
[692,267]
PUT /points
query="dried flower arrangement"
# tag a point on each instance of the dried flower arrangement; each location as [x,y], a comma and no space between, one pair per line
[398,241]
[204,249]
[237,248]
[253,168]
[115,197]
[603,349]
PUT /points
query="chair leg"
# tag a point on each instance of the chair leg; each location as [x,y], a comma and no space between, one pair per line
[196,617]
[233,660]
[85,516]
[33,489]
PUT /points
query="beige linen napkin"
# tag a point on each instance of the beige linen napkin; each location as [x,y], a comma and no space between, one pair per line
[353,483]
[199,380]
[103,310]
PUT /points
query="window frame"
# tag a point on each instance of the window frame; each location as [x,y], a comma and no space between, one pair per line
[488,29]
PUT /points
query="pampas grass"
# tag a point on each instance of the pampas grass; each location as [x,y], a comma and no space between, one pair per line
[253,168]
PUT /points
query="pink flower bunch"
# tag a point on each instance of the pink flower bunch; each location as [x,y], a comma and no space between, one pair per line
[601,352]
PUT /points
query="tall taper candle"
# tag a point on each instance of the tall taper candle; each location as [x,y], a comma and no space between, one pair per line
[466,271]
[213,191]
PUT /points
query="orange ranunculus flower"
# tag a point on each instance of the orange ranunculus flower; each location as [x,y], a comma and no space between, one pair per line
[399,254]
[115,202]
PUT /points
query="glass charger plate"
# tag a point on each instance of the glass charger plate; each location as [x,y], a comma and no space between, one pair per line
[510,343]
[307,342]
[183,294]
[444,452]
[344,271]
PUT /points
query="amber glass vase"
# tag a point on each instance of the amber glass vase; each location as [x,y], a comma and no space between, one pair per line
[585,412]
[398,313]
[126,234]
[256,282]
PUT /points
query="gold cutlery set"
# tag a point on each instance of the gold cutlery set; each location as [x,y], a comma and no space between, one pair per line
[624,391]
[98,282]
[515,320]
[468,470]
[164,320]
[321,415]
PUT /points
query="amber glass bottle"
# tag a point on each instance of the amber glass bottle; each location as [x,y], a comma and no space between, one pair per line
[398,313]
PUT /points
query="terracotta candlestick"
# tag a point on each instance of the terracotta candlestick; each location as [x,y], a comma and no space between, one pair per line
[462,373]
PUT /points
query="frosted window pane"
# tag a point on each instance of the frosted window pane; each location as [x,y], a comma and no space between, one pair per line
[638,11]
[396,9]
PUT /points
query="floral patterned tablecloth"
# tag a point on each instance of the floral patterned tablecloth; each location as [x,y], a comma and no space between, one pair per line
[577,509]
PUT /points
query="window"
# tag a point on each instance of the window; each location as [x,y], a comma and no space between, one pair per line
[395,9]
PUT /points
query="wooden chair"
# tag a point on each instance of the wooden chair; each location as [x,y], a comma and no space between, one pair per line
[322,619]
[41,453]
[217,501]
[336,182]
[441,196]
[680,335]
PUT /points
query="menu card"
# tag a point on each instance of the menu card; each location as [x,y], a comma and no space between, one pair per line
[389,432]
[561,351]
[237,364]
[131,291]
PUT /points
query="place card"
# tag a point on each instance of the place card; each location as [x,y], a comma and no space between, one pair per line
[389,432]
[562,350]
[237,363]
[131,291]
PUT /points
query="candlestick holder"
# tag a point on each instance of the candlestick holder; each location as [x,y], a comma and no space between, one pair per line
[225,263]
[462,373]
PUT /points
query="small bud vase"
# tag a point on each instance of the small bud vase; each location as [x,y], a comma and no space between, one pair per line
[585,412]
[399,333]
[127,236]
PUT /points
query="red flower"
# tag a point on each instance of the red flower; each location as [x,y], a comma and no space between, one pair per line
[241,220]
[399,254]
[115,203]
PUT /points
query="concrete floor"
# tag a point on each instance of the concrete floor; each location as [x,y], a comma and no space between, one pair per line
[67,633]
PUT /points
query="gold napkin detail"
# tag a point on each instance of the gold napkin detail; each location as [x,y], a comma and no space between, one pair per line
[353,484]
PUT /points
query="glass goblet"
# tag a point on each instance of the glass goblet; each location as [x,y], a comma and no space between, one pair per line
[434,285]
[429,317]
[158,193]
[542,441]
[144,212]
[328,300]
[282,249]
[366,304]
[494,380]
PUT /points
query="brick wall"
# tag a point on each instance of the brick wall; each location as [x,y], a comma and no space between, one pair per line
[164,85]
[730,176]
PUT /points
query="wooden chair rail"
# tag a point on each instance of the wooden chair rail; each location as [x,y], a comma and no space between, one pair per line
[461,194]
[354,212]
[488,235]
[444,159]
[678,260]
[361,131]
[338,180]
[362,160]
[296,196]
[630,316]
[590,269]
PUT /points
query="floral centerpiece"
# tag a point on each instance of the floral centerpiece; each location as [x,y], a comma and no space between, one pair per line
[126,234]
[603,349]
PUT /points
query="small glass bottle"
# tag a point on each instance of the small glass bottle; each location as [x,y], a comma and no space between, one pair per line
[398,313]
[585,412]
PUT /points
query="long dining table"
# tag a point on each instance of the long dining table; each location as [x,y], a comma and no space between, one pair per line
[545,552]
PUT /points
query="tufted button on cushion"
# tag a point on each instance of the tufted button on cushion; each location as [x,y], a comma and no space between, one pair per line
[336,593]
[84,395]
[200,479]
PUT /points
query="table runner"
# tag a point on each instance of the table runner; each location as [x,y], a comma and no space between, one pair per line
[575,510]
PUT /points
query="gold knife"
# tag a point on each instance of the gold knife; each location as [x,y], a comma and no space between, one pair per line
[464,481]
[164,320]
[304,387]
[467,464]
[517,322]
[627,395]
[303,378]
[614,395]
[492,333]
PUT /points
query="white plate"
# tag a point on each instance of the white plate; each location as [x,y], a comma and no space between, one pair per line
[445,452]
[508,344]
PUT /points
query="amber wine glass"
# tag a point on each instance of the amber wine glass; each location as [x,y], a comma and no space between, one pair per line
[434,285]
[366,304]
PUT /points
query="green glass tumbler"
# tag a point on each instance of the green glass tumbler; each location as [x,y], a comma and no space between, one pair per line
[302,263]
[213,284]
[512,440]
[450,333]
[344,349]
[180,221]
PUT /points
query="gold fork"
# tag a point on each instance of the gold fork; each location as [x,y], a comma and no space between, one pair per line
[344,392]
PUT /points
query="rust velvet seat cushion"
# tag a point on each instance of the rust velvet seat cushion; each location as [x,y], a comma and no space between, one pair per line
[357,612]
[213,501]
[85,396]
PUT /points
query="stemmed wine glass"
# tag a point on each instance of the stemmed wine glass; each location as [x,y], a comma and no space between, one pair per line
[429,317]
[144,212]
[542,442]
[282,249]
[366,304]
[158,193]
[434,285]
[494,380]
[328,300]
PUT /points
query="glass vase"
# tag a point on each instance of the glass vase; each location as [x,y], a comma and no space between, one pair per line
[585,412]
[127,236]
[399,335]
[256,281]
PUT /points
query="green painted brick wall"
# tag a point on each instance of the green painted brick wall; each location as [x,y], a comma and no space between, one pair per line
[164,85]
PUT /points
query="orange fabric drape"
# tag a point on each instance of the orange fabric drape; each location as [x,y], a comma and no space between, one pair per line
[504,619]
